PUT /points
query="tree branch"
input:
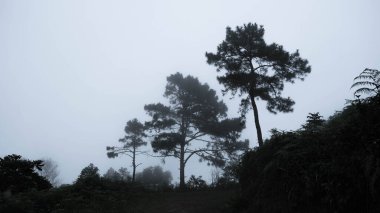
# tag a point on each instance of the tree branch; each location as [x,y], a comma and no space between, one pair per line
[195,136]
[202,150]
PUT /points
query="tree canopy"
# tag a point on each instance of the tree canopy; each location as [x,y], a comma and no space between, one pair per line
[89,176]
[194,123]
[257,70]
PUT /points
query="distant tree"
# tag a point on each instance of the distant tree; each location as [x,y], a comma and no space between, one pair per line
[154,176]
[112,175]
[20,175]
[256,70]
[132,141]
[125,176]
[49,170]
[215,175]
[313,123]
[367,82]
[89,175]
[196,117]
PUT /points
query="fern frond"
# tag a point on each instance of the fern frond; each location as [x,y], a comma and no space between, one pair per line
[368,81]
[363,83]
[364,90]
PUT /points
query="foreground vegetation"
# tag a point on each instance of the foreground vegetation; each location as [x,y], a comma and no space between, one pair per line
[108,196]
[326,166]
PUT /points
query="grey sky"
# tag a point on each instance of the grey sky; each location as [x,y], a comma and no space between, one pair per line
[72,73]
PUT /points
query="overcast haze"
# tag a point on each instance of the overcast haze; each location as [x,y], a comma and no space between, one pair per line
[72,73]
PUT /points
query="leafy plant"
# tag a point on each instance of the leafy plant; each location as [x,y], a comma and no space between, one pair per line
[367,82]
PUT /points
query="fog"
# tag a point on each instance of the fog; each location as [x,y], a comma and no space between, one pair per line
[72,73]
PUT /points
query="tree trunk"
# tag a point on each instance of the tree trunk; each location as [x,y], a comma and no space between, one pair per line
[255,112]
[182,185]
[257,122]
[134,165]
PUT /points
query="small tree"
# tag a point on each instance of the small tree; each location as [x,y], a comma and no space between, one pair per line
[257,70]
[194,124]
[131,142]
[89,176]
[314,122]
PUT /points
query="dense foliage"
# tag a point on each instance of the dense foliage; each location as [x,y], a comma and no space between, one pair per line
[326,166]
[20,175]
[104,196]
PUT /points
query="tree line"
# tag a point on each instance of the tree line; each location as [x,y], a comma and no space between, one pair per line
[194,123]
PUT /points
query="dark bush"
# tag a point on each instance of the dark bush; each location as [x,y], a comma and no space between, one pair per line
[20,175]
[334,167]
[196,183]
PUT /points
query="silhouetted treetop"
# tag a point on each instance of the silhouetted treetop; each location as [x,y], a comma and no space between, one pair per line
[257,69]
[314,122]
[89,172]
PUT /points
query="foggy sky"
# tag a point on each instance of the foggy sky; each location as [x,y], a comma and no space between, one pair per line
[72,73]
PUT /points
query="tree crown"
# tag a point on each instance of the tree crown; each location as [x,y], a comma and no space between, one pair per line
[256,68]
[194,111]
[131,141]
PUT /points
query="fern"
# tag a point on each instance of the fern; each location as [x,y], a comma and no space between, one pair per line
[367,82]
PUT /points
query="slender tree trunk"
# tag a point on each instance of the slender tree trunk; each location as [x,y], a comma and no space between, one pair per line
[134,165]
[182,168]
[254,106]
[257,122]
